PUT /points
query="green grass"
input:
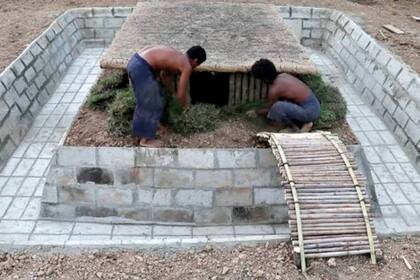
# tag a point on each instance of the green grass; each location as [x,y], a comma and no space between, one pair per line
[113,94]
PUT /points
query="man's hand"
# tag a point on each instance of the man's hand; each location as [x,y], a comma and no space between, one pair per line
[182,85]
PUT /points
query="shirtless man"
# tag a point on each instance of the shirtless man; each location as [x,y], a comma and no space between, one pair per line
[290,101]
[143,69]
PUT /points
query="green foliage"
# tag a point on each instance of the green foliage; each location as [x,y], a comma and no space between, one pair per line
[121,111]
[333,106]
[104,91]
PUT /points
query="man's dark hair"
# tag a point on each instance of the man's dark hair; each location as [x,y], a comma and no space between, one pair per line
[265,70]
[197,52]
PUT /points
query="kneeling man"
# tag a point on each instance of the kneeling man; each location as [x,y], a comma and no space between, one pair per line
[290,101]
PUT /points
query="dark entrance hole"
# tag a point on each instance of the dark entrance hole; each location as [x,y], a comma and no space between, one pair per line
[208,87]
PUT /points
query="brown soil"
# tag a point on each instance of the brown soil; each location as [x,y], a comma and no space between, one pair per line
[23,20]
[261,262]
[235,133]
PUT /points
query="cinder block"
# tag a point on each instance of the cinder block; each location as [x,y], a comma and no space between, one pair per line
[216,215]
[266,158]
[27,58]
[18,67]
[160,157]
[172,215]
[405,78]
[413,112]
[268,196]
[76,156]
[23,103]
[400,135]
[75,194]
[173,178]
[117,197]
[311,23]
[20,85]
[197,198]
[113,22]
[162,197]
[102,12]
[321,13]
[50,194]
[35,49]
[301,12]
[364,40]
[243,158]
[252,178]
[142,177]
[389,104]
[233,197]
[115,156]
[122,11]
[43,42]
[213,178]
[144,196]
[94,22]
[413,131]
[394,67]
[57,211]
[271,214]
[30,74]
[196,158]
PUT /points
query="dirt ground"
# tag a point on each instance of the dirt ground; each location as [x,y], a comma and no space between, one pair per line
[235,133]
[23,20]
[261,262]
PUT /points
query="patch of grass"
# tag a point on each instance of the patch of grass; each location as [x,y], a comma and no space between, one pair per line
[104,91]
[333,106]
[121,110]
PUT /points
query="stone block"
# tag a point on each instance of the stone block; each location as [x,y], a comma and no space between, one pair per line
[57,211]
[160,157]
[394,67]
[23,103]
[94,22]
[115,156]
[266,158]
[321,13]
[270,196]
[75,194]
[277,214]
[88,33]
[39,65]
[43,42]
[117,197]
[4,109]
[295,25]
[142,177]
[364,41]
[413,112]
[213,178]
[27,58]
[243,158]
[60,176]
[50,194]
[103,33]
[35,49]
[196,158]
[317,33]
[144,197]
[20,85]
[413,132]
[138,214]
[389,104]
[93,211]
[284,11]
[102,12]
[7,77]
[122,11]
[76,156]
[162,197]
[172,215]
[113,22]
[197,198]
[405,78]
[311,23]
[18,67]
[233,197]
[252,177]
[173,178]
[301,12]
[216,215]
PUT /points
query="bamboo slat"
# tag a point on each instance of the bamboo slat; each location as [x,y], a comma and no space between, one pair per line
[326,196]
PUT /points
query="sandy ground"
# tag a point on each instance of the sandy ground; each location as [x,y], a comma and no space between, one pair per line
[232,133]
[261,262]
[23,20]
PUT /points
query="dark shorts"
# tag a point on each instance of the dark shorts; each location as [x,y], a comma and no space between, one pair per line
[290,113]
[149,98]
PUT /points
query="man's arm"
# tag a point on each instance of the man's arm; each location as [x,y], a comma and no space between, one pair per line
[182,85]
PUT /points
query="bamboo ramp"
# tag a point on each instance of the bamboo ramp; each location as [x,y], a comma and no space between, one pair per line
[329,210]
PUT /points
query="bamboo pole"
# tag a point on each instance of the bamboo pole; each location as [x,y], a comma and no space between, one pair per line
[231,89]
[257,89]
[238,88]
[251,88]
[245,89]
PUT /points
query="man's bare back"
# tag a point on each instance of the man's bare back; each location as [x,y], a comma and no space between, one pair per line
[290,88]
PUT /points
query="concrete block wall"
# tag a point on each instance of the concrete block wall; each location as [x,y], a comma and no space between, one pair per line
[200,186]
[386,83]
[28,82]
